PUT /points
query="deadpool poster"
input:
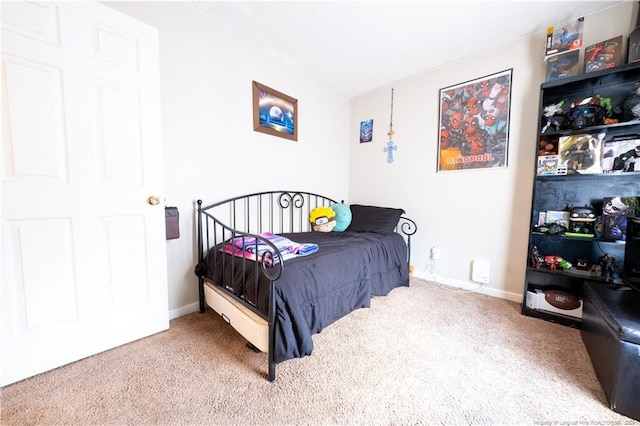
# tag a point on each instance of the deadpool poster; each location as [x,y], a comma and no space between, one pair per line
[474,123]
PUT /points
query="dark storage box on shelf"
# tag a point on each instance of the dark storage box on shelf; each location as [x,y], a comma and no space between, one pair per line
[580,182]
[611,334]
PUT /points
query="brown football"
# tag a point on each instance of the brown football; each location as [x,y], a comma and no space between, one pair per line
[562,299]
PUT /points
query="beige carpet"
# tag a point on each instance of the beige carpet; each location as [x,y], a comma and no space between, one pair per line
[421,355]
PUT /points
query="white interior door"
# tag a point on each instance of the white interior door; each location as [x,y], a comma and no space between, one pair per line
[83,252]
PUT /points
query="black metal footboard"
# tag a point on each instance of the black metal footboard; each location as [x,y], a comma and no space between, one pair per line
[407,227]
[242,220]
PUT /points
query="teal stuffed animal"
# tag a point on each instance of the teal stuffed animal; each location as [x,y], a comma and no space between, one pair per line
[343,216]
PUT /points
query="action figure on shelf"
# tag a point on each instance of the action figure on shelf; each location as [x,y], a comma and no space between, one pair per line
[581,263]
[536,259]
[551,261]
[550,112]
[608,265]
[631,105]
[628,161]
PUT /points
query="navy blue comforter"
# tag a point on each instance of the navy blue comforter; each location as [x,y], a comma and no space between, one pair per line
[315,290]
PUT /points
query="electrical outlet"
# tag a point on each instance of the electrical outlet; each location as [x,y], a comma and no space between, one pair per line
[480,271]
[435,253]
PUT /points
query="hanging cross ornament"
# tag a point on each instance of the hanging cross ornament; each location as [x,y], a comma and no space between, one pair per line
[390,145]
[389,150]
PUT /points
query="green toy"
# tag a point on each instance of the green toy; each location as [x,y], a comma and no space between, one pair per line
[606,104]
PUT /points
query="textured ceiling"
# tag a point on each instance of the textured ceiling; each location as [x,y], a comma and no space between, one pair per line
[359,46]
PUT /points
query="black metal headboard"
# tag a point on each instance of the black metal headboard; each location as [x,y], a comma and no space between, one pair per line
[272,211]
[269,211]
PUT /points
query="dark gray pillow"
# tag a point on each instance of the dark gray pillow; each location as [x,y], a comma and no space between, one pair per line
[381,220]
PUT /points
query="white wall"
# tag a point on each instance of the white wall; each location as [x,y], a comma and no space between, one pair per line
[206,73]
[468,215]
[210,148]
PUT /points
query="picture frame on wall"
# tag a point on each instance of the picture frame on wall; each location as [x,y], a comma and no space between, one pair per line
[274,113]
[474,123]
[366,131]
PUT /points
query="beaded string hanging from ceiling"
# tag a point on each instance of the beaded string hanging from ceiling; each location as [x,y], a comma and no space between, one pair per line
[391,146]
[390,132]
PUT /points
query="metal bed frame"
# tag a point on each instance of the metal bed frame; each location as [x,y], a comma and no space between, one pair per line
[247,216]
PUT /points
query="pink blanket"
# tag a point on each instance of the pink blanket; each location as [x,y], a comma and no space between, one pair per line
[256,249]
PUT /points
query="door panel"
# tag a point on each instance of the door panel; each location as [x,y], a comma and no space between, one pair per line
[38,21]
[119,124]
[125,237]
[35,97]
[36,286]
[83,253]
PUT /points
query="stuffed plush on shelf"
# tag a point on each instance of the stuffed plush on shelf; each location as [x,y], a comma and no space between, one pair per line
[343,216]
[323,219]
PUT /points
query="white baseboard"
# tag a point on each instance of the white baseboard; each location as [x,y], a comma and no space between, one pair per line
[469,286]
[184,310]
[438,279]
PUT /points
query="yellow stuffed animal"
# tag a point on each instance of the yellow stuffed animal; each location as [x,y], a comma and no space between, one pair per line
[323,219]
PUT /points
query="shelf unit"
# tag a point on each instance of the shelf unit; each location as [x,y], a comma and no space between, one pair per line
[559,192]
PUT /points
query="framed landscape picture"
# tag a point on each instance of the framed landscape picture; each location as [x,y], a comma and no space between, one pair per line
[274,112]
